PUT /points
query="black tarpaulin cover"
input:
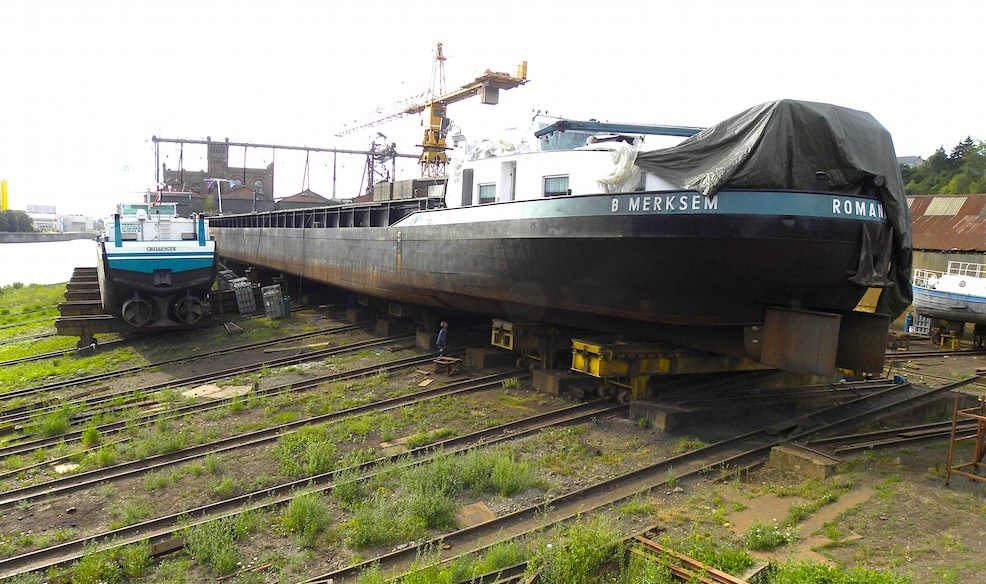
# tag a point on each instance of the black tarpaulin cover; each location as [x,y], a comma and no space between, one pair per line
[782,145]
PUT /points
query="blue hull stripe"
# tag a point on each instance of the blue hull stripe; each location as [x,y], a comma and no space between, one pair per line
[725,203]
[168,256]
[950,296]
[147,266]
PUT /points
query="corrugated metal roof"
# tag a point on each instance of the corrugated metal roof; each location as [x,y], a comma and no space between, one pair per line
[945,206]
[244,193]
[948,222]
[305,196]
[949,233]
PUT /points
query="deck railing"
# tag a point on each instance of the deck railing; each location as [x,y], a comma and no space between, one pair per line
[969,269]
[922,277]
[925,278]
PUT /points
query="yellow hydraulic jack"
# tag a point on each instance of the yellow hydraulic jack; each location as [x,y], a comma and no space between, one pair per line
[626,368]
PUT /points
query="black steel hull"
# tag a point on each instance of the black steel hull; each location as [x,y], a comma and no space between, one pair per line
[691,270]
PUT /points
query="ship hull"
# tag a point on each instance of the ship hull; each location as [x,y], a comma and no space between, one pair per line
[949,306]
[160,273]
[610,256]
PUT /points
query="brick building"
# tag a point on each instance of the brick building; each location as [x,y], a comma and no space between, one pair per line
[258,180]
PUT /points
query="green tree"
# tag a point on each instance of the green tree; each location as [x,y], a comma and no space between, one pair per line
[24,223]
[15,221]
[962,172]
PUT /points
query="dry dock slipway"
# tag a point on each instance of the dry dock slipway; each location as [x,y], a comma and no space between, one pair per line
[755,239]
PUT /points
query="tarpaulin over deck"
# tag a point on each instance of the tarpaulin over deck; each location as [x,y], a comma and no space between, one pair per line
[783,145]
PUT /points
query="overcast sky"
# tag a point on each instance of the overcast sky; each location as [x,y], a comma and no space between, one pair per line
[84,85]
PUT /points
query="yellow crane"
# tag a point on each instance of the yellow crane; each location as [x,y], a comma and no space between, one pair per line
[488,85]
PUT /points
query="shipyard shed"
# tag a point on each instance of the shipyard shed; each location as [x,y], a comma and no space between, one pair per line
[948,228]
[306,199]
[413,188]
[243,199]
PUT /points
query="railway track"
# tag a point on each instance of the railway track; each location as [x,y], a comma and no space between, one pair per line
[160,532]
[26,338]
[65,352]
[22,412]
[892,437]
[935,353]
[27,322]
[151,417]
[55,354]
[734,453]
[82,480]
[737,455]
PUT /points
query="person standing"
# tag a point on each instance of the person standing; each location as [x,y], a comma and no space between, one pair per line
[442,341]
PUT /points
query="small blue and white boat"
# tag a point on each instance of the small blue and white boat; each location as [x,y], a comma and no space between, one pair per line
[156,268]
[957,295]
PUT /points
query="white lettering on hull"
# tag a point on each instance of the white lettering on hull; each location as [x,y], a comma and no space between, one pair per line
[667,203]
[858,208]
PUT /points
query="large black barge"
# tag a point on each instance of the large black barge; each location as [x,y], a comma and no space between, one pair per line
[749,238]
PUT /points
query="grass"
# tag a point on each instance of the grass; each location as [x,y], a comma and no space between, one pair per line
[53,423]
[686,444]
[20,375]
[30,347]
[91,437]
[639,505]
[23,304]
[511,383]
[424,438]
[719,552]
[226,487]
[412,500]
[214,543]
[761,536]
[307,452]
[561,449]
[670,478]
[575,553]
[428,568]
[306,516]
[129,513]
[113,565]
[808,573]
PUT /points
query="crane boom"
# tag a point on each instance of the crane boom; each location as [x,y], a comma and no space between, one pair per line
[433,158]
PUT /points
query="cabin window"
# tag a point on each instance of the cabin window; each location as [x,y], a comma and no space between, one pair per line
[487,193]
[555,186]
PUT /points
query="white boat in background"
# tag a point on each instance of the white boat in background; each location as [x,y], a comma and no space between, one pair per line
[957,295]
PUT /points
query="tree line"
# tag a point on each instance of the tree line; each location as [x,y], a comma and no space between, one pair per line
[12,221]
[961,172]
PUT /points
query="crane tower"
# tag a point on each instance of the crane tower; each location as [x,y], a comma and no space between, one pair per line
[433,158]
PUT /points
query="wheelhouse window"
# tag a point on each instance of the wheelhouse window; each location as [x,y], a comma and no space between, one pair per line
[555,186]
[487,193]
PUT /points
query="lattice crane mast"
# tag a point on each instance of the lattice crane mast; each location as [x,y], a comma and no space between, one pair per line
[433,159]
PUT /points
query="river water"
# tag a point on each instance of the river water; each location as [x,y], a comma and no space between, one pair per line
[50,262]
